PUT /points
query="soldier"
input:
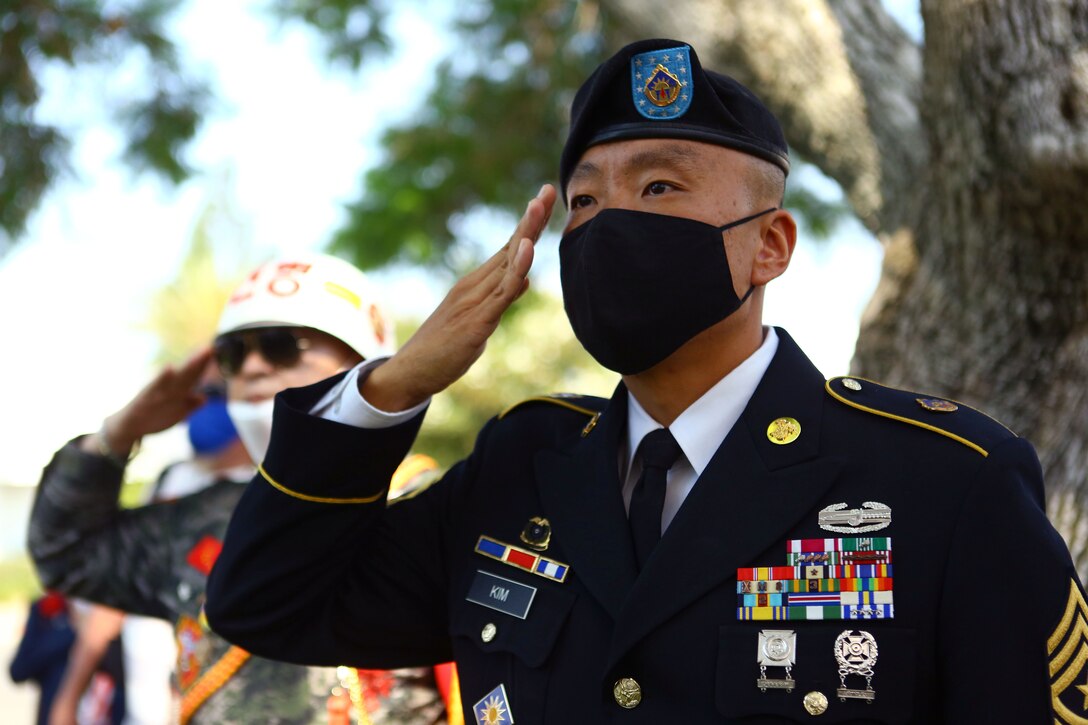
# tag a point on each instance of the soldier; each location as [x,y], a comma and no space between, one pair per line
[292,322]
[714,543]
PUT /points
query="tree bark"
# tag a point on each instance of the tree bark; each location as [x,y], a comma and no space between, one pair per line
[968,159]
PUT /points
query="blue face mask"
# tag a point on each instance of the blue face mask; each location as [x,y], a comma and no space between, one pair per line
[210,428]
[637,286]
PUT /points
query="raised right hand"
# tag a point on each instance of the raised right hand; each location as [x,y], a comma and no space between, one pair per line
[455,335]
[168,399]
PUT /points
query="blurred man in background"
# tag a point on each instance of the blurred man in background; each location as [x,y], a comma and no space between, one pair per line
[292,322]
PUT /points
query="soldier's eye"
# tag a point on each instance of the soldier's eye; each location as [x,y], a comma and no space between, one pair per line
[580,201]
[657,188]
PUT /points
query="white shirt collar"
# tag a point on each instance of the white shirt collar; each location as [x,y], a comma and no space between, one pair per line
[702,427]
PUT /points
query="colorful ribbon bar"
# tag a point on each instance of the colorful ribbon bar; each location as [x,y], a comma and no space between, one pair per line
[872,611]
[761,600]
[858,600]
[869,611]
[764,587]
[835,558]
[522,559]
[765,573]
[860,571]
[878,584]
[856,543]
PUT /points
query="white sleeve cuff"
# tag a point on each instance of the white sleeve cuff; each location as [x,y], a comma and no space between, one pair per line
[345,404]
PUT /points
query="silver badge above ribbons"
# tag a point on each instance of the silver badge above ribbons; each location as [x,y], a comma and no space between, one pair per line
[872,516]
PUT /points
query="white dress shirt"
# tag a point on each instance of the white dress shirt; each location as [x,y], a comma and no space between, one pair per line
[699,430]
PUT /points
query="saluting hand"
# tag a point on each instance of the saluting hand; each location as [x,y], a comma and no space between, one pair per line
[455,335]
[168,399]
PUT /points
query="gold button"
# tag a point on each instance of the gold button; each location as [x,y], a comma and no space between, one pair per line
[815,703]
[851,383]
[627,692]
[488,632]
[783,430]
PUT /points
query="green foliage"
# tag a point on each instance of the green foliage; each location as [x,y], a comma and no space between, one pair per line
[490,131]
[532,353]
[37,34]
[487,135]
[353,30]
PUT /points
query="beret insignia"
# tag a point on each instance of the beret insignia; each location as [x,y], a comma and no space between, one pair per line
[659,83]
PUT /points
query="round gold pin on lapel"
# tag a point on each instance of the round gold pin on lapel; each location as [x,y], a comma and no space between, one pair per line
[782,431]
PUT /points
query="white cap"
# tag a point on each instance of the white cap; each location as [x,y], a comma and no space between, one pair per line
[312,290]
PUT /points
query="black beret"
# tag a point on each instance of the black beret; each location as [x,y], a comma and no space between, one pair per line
[657,89]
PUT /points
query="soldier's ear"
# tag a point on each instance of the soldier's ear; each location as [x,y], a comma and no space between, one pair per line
[777,238]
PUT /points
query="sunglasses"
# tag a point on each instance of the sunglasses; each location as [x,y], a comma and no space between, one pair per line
[281,346]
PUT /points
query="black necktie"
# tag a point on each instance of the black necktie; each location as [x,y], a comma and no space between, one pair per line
[659,450]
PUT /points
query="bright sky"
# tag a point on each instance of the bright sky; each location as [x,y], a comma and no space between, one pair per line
[293,139]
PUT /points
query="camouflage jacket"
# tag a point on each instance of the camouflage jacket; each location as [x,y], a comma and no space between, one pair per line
[154,560]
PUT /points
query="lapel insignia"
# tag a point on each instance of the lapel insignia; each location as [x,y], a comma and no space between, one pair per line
[522,559]
[202,556]
[777,648]
[856,653]
[1068,652]
[849,578]
[783,431]
[537,534]
[872,516]
[493,708]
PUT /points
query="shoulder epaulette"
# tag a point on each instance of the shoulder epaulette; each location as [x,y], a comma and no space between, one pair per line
[949,418]
[584,404]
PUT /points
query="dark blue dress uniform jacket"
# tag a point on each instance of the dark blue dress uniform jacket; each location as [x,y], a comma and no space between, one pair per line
[989,623]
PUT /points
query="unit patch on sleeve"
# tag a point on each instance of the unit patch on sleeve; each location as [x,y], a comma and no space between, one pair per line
[1068,652]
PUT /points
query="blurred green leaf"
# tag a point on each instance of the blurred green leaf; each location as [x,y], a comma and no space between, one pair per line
[75,34]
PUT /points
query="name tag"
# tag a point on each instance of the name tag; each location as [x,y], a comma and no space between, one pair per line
[501,594]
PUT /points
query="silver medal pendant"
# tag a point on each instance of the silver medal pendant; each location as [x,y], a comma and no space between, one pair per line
[777,648]
[856,653]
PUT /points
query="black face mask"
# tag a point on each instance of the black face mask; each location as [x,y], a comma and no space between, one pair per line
[637,286]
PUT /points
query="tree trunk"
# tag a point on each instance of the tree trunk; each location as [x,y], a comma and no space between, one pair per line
[968,159]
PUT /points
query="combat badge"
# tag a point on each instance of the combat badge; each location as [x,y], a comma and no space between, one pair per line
[777,648]
[537,534]
[872,516]
[1068,652]
[856,653]
[659,83]
[493,708]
